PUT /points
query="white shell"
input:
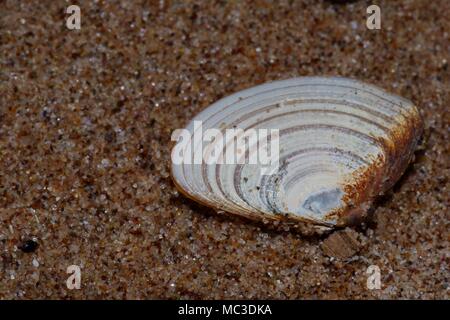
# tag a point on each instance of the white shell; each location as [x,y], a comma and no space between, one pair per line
[342,142]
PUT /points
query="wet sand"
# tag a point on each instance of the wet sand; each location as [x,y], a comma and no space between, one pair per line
[85,123]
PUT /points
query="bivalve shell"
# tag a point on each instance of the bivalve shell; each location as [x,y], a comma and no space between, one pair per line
[334,144]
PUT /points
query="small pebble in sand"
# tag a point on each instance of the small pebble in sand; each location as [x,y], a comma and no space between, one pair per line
[29,246]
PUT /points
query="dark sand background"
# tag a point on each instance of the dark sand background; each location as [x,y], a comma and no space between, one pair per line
[85,123]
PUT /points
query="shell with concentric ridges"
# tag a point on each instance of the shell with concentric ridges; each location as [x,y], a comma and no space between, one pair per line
[341,142]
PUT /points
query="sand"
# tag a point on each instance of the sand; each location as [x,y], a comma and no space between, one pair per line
[85,123]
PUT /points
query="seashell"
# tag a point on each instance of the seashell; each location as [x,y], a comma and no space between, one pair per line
[341,143]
